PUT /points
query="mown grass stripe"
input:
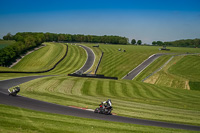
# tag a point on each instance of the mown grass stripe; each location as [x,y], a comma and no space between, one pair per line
[76,90]
[99,88]
[106,90]
[86,88]
[112,88]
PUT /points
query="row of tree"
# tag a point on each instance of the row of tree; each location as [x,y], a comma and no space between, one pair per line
[28,40]
[179,43]
[49,37]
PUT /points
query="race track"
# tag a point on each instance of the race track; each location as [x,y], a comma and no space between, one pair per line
[28,103]
[90,59]
[132,74]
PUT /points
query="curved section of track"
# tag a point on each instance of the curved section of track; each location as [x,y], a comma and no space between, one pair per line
[90,59]
[33,104]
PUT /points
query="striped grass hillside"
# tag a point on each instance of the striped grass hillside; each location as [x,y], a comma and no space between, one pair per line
[24,120]
[130,98]
[188,67]
[75,59]
[117,63]
[42,59]
[187,70]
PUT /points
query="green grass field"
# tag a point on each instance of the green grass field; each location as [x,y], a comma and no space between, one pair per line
[163,100]
[188,67]
[42,59]
[181,72]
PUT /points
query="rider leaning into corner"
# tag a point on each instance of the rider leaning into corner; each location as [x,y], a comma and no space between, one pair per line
[108,102]
[14,90]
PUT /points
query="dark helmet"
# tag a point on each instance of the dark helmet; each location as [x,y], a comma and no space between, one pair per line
[17,87]
[109,100]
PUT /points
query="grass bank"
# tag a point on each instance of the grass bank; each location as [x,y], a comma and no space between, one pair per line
[74,60]
[181,72]
[14,119]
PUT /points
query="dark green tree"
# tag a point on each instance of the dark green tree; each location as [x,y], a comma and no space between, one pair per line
[133,41]
[139,42]
[159,43]
[8,37]
[154,43]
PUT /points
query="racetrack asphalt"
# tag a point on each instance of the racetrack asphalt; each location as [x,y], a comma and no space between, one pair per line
[132,74]
[90,59]
[28,103]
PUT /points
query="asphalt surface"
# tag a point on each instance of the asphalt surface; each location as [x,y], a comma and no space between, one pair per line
[90,59]
[132,74]
[28,103]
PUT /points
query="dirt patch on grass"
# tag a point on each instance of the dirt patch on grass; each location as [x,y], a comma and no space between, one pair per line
[152,79]
[187,86]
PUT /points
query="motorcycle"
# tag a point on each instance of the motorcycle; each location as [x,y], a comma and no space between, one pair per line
[14,91]
[103,109]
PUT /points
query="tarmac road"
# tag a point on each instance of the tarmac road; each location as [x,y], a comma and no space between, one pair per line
[132,74]
[90,59]
[28,103]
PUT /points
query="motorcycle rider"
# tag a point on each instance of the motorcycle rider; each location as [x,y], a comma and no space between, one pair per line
[108,102]
[14,91]
[104,108]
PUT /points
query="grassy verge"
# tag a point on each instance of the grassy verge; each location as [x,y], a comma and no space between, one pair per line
[130,98]
[194,85]
[187,67]
[179,72]
[14,119]
[42,59]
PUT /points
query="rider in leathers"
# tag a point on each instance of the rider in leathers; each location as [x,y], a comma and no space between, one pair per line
[14,90]
[108,102]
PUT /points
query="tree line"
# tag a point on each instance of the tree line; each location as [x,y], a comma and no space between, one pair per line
[24,42]
[49,37]
[195,43]
[28,40]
